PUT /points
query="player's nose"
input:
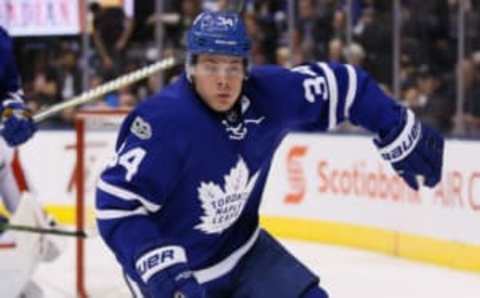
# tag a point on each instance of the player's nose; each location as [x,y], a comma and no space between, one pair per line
[222,81]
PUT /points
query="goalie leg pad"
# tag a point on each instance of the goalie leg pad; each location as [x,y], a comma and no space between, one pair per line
[19,264]
[7,241]
[32,290]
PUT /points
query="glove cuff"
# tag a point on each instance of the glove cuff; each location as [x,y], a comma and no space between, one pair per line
[159,259]
[401,141]
[14,100]
[166,273]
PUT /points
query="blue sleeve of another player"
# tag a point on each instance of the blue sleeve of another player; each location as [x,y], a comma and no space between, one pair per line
[320,96]
[9,76]
[132,190]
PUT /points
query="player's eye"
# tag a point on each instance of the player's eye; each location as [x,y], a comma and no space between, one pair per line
[230,70]
[234,70]
[209,69]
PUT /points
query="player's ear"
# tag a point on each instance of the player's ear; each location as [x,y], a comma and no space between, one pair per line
[190,62]
[247,63]
[189,71]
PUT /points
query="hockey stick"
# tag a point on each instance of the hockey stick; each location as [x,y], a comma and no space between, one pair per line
[108,87]
[29,229]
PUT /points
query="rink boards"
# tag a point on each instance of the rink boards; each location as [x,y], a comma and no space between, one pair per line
[336,189]
[332,189]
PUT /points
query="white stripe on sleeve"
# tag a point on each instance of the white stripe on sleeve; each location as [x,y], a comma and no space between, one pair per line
[17,95]
[352,89]
[107,214]
[333,91]
[227,264]
[127,195]
[133,286]
[405,142]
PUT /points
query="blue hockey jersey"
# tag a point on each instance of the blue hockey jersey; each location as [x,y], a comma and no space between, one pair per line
[9,77]
[186,176]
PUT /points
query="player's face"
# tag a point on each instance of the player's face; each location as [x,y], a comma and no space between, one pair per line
[218,80]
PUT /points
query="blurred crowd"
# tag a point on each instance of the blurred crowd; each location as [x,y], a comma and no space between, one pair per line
[123,38]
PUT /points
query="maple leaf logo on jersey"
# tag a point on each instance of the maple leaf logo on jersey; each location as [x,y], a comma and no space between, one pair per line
[223,207]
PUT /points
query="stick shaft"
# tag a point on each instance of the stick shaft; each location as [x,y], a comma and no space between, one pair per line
[106,88]
[38,230]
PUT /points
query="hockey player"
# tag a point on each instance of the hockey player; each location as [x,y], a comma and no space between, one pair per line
[16,120]
[16,127]
[20,253]
[178,205]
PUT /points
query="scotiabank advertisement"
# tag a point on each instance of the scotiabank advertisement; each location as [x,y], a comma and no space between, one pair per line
[343,179]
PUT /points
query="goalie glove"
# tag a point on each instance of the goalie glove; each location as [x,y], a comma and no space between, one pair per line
[165,272]
[414,151]
[17,122]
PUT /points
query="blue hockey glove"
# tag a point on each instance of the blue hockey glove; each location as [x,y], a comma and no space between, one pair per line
[165,272]
[414,150]
[17,122]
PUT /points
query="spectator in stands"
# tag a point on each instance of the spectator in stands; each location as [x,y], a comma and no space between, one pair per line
[431,100]
[271,19]
[429,38]
[258,37]
[373,32]
[45,89]
[177,22]
[140,11]
[471,74]
[126,99]
[69,74]
[354,54]
[312,32]
[282,56]
[69,81]
[339,24]
[335,50]
[111,33]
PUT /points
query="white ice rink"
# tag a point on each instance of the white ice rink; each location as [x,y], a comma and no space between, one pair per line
[345,272]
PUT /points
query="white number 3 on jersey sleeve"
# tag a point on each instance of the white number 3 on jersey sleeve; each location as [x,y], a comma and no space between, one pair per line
[314,85]
[130,160]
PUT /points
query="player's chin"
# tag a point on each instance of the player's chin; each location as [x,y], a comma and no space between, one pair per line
[223,105]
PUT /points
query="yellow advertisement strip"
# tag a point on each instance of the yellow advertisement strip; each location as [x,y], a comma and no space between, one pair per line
[3,211]
[63,214]
[441,252]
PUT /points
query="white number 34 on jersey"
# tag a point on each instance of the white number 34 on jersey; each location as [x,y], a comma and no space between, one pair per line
[130,160]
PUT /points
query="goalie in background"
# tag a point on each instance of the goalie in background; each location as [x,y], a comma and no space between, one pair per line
[19,252]
[179,203]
